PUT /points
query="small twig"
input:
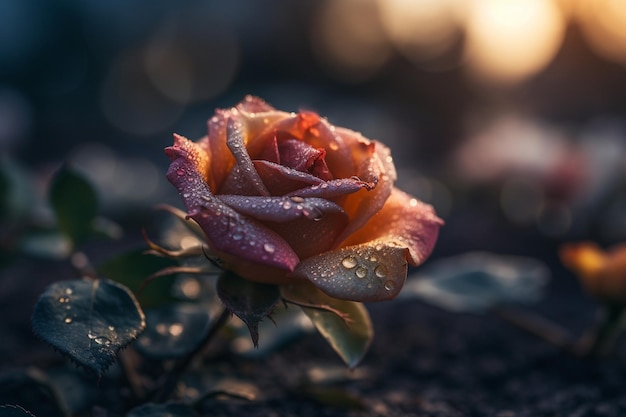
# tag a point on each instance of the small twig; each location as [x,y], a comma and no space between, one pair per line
[168,386]
[538,326]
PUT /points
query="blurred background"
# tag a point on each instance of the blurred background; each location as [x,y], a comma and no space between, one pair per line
[507,115]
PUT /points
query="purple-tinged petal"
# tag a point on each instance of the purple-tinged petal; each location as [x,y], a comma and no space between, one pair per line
[332,189]
[303,157]
[405,221]
[281,209]
[281,180]
[228,232]
[236,144]
[375,271]
[238,183]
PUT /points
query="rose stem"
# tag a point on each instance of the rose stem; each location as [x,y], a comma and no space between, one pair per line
[603,338]
[537,326]
[174,375]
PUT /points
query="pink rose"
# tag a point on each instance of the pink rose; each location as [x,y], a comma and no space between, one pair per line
[286,197]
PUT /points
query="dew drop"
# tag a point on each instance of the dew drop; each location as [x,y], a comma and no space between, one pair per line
[101,340]
[180,172]
[237,236]
[64,300]
[67,320]
[186,195]
[286,205]
[111,328]
[269,248]
[348,262]
[69,291]
[381,271]
[333,146]
[361,272]
[297,199]
[390,285]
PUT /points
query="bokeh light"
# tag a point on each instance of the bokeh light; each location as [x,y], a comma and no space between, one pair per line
[347,39]
[604,26]
[425,31]
[509,40]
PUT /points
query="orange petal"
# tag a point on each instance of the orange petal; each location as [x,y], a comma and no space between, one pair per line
[374,271]
[405,221]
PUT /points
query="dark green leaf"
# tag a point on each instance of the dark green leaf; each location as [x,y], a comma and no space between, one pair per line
[33,391]
[345,325]
[88,320]
[14,411]
[173,331]
[132,269]
[75,204]
[250,301]
[162,410]
[476,281]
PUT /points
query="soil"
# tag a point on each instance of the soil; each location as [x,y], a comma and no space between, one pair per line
[423,362]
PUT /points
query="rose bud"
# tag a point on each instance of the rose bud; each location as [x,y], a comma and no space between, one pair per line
[286,197]
[602,273]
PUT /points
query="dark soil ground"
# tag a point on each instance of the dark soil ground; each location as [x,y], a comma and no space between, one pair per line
[423,362]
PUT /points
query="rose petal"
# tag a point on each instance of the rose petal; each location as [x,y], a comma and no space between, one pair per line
[227,231]
[281,180]
[332,189]
[303,157]
[252,104]
[236,144]
[281,209]
[404,220]
[361,206]
[310,226]
[374,271]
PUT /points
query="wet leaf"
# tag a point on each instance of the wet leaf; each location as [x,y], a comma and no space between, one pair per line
[88,321]
[31,390]
[173,331]
[131,269]
[162,410]
[345,325]
[250,301]
[476,281]
[75,204]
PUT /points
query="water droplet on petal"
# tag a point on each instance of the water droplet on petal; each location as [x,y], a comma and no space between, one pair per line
[269,248]
[176,329]
[237,236]
[349,262]
[67,320]
[297,199]
[390,285]
[413,202]
[286,205]
[381,271]
[180,172]
[68,291]
[361,272]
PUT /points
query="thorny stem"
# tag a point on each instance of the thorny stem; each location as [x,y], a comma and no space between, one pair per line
[602,340]
[167,387]
[538,326]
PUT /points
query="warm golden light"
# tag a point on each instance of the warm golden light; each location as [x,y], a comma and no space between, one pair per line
[347,39]
[604,26]
[510,40]
[423,30]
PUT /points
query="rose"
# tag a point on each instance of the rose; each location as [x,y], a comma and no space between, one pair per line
[285,197]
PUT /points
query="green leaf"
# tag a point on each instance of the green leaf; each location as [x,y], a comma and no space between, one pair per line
[173,331]
[477,281]
[33,391]
[250,301]
[75,204]
[88,321]
[345,325]
[14,411]
[162,410]
[132,269]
